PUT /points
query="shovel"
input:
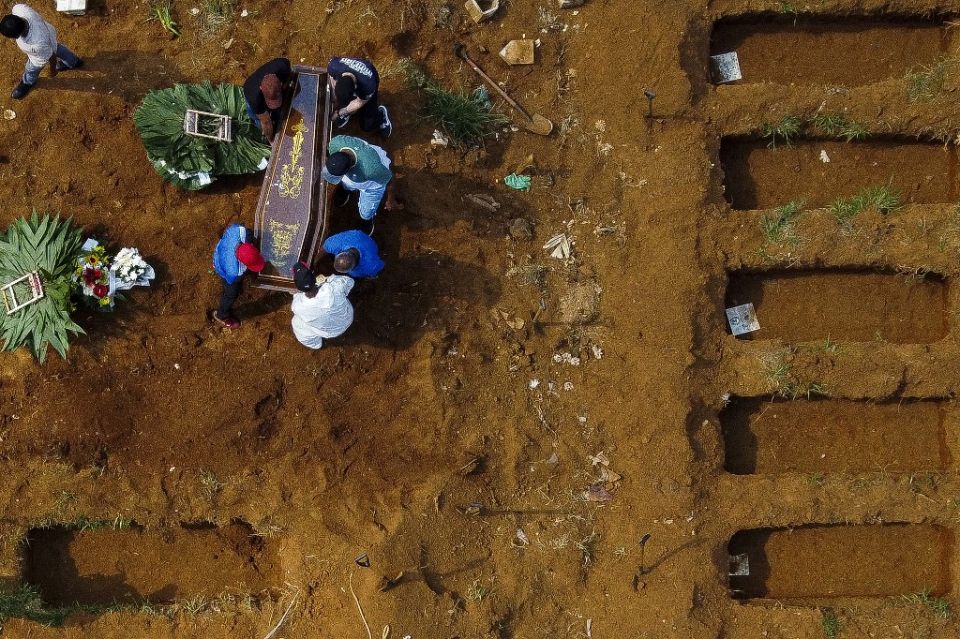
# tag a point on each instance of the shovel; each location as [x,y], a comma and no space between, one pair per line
[535,123]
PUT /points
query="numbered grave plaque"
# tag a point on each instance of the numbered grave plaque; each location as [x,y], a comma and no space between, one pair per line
[292,212]
[725,67]
[742,319]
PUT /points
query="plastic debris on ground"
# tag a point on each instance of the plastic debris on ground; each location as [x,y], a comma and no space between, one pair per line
[518,182]
[439,139]
[560,246]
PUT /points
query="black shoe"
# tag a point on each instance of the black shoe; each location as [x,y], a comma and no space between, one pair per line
[386,127]
[341,121]
[62,66]
[21,91]
[341,197]
[367,226]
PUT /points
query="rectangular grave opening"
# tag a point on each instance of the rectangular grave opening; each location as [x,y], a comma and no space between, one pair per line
[757,176]
[161,566]
[832,435]
[822,562]
[806,50]
[846,305]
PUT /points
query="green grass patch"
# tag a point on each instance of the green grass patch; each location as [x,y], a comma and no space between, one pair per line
[784,130]
[939,606]
[882,199]
[778,227]
[928,82]
[831,624]
[837,125]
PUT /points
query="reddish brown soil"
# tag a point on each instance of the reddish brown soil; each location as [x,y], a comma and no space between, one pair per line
[448,391]
[160,566]
[843,561]
[854,306]
[852,52]
[758,176]
[761,436]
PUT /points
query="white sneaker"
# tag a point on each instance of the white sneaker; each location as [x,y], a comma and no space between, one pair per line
[386,127]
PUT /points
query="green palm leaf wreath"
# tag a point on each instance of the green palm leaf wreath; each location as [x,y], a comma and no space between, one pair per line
[185,160]
[49,246]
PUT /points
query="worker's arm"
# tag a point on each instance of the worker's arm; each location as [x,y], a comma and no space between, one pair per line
[351,108]
[266,125]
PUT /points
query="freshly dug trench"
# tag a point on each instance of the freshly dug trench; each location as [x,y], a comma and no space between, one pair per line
[823,562]
[831,435]
[100,567]
[757,176]
[857,306]
[829,51]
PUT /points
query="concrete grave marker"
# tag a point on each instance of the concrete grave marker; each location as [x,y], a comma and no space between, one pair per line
[725,67]
[742,319]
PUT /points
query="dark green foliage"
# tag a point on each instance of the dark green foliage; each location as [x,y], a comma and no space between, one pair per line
[179,157]
[49,246]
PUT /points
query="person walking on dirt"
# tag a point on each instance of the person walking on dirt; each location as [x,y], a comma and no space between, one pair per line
[356,86]
[355,254]
[320,312]
[38,39]
[264,94]
[232,258]
[360,166]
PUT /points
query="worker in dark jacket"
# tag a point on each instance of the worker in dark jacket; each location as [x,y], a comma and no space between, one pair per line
[263,91]
[356,87]
[232,258]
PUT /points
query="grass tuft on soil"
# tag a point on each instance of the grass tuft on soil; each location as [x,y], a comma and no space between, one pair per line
[778,226]
[928,83]
[882,199]
[837,125]
[939,606]
[786,129]
[468,118]
[831,624]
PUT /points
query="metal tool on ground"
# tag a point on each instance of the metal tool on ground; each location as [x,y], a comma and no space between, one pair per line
[642,570]
[650,95]
[534,123]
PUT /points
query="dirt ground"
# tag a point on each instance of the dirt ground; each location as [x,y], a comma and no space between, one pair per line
[501,428]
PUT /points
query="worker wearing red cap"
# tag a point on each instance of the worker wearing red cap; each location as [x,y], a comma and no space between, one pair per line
[232,258]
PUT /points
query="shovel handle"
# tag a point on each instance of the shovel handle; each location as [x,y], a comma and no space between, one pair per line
[461,52]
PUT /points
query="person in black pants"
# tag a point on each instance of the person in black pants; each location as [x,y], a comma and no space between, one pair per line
[263,91]
[232,258]
[356,84]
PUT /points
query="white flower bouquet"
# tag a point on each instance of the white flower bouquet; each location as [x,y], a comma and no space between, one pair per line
[130,269]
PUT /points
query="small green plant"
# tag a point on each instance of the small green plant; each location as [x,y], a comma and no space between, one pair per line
[778,227]
[194,606]
[928,82]
[781,377]
[816,479]
[477,591]
[161,12]
[882,199]
[212,486]
[467,118]
[838,126]
[218,13]
[830,623]
[25,603]
[786,129]
[831,347]
[937,605]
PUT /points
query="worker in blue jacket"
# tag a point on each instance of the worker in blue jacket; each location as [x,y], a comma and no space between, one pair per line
[232,258]
[354,253]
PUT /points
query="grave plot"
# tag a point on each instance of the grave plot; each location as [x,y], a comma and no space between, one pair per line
[101,567]
[830,435]
[825,562]
[757,176]
[851,305]
[825,50]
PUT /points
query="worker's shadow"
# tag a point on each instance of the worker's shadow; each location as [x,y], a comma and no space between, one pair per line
[127,74]
[419,293]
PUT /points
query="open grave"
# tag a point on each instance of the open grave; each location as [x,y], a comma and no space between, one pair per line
[853,305]
[758,176]
[831,50]
[102,567]
[824,562]
[831,435]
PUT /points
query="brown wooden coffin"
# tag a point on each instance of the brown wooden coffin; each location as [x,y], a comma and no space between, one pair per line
[292,213]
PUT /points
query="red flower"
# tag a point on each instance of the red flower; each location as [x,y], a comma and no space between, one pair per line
[100,290]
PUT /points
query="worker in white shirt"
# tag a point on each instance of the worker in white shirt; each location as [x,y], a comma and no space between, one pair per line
[38,39]
[320,312]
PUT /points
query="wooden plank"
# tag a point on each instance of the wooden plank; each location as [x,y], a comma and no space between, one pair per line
[292,212]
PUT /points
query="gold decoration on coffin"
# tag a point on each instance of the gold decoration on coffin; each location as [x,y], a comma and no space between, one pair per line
[291,175]
[282,236]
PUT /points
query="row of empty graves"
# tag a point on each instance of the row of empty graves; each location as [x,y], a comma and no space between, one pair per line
[815,564]
[100,568]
